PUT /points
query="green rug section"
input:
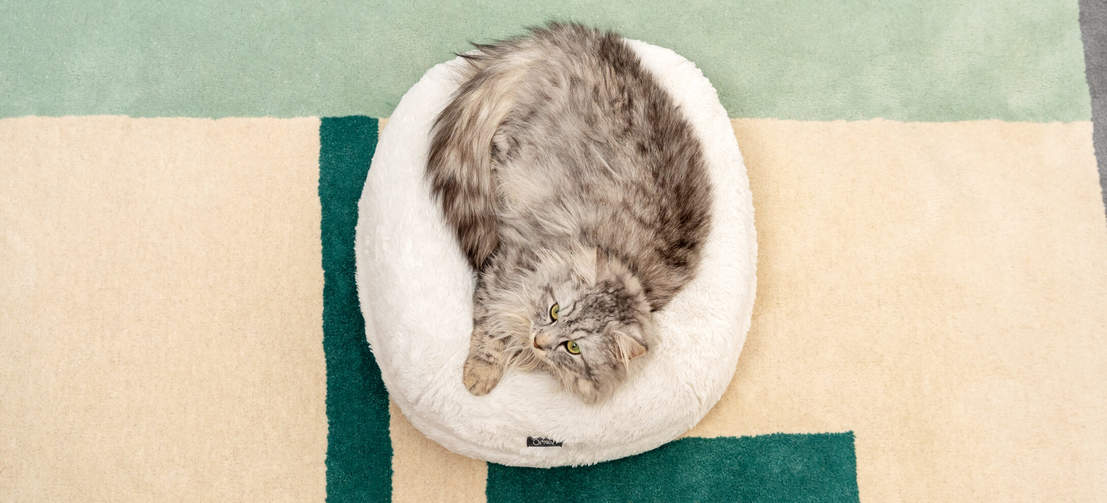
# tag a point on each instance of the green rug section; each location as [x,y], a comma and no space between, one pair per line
[769,468]
[938,60]
[359,449]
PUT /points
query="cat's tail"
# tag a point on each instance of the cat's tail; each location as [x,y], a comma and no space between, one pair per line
[460,163]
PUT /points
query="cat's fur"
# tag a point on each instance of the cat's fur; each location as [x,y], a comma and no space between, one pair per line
[569,177]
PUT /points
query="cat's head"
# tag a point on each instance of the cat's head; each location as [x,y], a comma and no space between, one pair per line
[590,318]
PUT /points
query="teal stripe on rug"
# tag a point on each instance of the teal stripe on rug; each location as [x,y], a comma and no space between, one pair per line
[938,60]
[770,468]
[359,449]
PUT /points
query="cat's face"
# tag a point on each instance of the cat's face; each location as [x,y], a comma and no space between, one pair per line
[586,325]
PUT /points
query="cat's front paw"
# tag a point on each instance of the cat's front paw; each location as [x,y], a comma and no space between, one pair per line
[481,376]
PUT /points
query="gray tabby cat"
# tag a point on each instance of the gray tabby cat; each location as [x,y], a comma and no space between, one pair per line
[578,192]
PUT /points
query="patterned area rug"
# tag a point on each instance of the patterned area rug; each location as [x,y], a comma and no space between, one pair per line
[178,191]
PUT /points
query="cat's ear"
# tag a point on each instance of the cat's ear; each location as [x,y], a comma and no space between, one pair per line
[631,343]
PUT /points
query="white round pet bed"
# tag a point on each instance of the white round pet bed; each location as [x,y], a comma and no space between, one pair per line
[416,292]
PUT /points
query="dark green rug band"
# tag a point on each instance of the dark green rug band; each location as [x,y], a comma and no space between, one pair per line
[768,468]
[359,450]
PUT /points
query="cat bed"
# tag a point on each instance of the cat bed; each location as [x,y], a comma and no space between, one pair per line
[416,291]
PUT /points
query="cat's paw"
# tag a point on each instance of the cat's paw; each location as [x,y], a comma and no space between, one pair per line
[480,376]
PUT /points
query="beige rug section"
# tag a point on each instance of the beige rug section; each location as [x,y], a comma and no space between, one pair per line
[938,288]
[425,472]
[160,310]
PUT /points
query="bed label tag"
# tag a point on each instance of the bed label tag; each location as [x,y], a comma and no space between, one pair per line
[542,442]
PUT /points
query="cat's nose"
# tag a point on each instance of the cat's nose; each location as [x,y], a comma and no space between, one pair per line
[542,341]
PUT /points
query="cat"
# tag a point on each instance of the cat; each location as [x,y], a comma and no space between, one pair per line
[578,193]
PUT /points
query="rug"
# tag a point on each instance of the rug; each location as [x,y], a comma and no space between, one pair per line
[178,193]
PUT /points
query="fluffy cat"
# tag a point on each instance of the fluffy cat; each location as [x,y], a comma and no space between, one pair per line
[578,193]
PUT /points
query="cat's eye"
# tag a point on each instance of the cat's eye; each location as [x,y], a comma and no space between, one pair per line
[553,311]
[572,347]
